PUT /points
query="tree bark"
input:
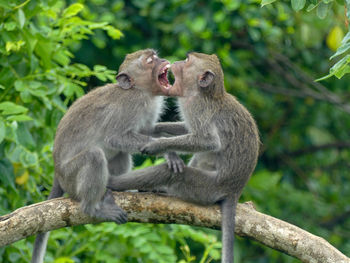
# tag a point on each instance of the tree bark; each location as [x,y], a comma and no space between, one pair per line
[151,208]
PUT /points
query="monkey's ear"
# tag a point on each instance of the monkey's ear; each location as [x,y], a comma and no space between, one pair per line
[206,79]
[124,81]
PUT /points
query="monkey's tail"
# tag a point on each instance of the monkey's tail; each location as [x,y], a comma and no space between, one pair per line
[41,239]
[228,213]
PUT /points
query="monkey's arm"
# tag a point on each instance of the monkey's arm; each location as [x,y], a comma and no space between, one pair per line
[184,143]
[130,142]
[172,128]
[174,161]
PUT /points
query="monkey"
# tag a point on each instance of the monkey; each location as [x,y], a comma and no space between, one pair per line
[221,133]
[96,136]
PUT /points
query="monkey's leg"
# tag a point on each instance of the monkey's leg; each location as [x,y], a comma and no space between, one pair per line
[191,185]
[203,161]
[197,186]
[120,164]
[92,175]
[150,178]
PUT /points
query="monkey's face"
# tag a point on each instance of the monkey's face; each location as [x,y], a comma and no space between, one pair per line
[144,70]
[196,75]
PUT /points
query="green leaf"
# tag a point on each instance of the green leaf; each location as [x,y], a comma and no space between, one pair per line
[2,130]
[264,180]
[6,174]
[21,18]
[298,4]
[28,158]
[13,152]
[10,26]
[72,10]
[339,69]
[20,85]
[319,136]
[322,10]
[114,33]
[266,2]
[198,24]
[231,5]
[341,50]
[100,68]
[44,50]
[20,117]
[310,7]
[25,137]
[346,38]
[63,260]
[8,108]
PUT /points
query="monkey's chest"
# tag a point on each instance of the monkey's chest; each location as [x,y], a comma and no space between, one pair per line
[149,114]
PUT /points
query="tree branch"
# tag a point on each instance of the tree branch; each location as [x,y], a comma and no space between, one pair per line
[302,85]
[151,208]
[311,149]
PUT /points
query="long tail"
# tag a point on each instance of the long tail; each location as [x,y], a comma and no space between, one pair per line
[228,213]
[41,239]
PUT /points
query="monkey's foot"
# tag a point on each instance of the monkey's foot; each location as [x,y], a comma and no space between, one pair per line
[106,209]
[113,213]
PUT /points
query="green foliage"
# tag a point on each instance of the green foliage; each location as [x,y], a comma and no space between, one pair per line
[36,73]
[341,67]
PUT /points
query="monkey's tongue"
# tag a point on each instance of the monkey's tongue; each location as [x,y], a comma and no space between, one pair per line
[163,78]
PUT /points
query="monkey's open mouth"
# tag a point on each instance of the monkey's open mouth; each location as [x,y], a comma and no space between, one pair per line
[163,77]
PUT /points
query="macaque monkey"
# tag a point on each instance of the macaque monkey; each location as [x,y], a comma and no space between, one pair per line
[222,135]
[95,137]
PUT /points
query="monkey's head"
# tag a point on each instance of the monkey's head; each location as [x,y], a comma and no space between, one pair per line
[145,71]
[198,74]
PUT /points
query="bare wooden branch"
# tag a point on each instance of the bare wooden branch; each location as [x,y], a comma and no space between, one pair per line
[151,208]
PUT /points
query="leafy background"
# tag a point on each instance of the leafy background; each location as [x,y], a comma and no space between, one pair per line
[53,51]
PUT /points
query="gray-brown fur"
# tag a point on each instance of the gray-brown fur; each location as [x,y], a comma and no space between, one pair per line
[98,133]
[222,135]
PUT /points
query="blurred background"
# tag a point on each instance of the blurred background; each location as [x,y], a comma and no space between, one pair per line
[53,51]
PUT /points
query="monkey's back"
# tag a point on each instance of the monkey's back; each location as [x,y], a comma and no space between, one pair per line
[103,112]
[240,142]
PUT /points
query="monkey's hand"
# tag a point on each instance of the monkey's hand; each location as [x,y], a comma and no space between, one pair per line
[175,163]
[153,148]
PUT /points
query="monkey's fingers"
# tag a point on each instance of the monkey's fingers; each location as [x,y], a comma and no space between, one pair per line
[174,167]
[122,217]
[169,163]
[181,165]
[151,148]
[145,150]
[175,163]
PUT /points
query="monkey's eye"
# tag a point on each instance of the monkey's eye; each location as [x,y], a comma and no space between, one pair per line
[149,60]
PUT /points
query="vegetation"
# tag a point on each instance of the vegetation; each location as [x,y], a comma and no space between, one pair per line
[53,51]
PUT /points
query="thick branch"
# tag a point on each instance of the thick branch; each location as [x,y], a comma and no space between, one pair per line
[151,208]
